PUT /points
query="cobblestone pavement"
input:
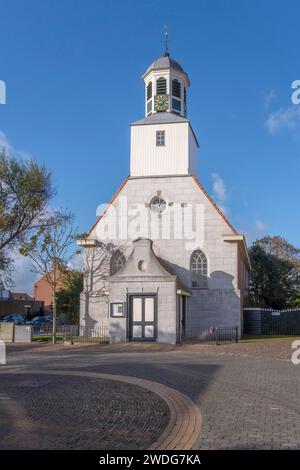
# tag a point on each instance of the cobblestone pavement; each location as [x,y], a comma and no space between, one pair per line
[247,401]
[54,412]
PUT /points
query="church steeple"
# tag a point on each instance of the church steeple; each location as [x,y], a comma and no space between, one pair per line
[164,143]
[166,85]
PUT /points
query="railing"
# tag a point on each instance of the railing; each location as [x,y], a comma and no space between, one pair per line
[258,321]
[96,334]
[217,335]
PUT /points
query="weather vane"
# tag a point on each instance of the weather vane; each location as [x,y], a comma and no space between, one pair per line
[166,39]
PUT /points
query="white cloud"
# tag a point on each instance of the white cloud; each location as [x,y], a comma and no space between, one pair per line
[4,142]
[23,277]
[219,191]
[269,98]
[77,262]
[6,145]
[260,226]
[284,119]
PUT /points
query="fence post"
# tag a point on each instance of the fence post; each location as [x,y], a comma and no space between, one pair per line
[216,331]
[236,334]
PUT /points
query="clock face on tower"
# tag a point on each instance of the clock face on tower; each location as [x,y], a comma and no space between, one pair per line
[161,102]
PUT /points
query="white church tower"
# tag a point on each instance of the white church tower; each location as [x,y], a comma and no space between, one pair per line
[164,143]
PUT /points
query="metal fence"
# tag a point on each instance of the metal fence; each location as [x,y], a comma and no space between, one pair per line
[271,322]
[96,334]
[216,335]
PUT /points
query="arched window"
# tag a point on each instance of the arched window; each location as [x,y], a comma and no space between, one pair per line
[117,262]
[198,269]
[149,91]
[161,86]
[176,88]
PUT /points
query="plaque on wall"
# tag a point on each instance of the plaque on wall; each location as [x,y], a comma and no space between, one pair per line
[117,309]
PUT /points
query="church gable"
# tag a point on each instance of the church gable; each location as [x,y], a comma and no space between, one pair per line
[142,263]
[176,189]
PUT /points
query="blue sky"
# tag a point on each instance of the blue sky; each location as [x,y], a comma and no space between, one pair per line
[72,70]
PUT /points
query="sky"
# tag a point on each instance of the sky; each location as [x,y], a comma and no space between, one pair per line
[72,70]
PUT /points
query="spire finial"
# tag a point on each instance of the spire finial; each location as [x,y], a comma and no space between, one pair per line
[166,39]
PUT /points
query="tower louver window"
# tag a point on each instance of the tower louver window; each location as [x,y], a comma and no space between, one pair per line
[176,88]
[149,91]
[161,86]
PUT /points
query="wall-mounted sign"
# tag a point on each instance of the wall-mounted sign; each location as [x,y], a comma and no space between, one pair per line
[276,314]
[117,309]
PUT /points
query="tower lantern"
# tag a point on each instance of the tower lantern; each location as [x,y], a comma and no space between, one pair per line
[166,85]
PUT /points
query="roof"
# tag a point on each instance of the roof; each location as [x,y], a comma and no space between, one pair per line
[160,118]
[165,62]
[109,204]
[21,295]
[179,283]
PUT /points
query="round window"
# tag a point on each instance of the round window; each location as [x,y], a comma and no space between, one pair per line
[142,265]
[158,205]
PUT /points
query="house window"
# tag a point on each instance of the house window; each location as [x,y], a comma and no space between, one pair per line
[176,105]
[176,88]
[198,267]
[149,91]
[117,262]
[161,86]
[160,138]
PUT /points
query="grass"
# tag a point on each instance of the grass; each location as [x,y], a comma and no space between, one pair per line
[269,338]
[47,338]
[76,339]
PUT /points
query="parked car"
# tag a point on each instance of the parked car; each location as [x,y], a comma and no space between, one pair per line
[14,318]
[40,320]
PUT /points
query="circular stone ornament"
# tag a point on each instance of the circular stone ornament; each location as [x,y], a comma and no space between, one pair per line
[158,205]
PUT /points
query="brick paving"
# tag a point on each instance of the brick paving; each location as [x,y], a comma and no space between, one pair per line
[249,396]
[50,412]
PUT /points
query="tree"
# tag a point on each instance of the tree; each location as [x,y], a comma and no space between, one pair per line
[25,190]
[274,281]
[68,297]
[281,248]
[50,251]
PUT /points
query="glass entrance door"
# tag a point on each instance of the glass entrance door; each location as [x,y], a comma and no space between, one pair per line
[142,318]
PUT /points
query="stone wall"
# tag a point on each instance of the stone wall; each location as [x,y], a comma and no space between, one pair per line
[7,332]
[220,304]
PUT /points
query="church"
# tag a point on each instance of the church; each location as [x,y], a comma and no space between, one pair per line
[162,262]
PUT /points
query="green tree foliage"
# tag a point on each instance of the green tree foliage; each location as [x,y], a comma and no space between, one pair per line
[275,278]
[280,247]
[25,190]
[68,297]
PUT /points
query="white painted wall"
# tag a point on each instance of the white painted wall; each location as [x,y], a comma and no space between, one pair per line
[217,305]
[178,157]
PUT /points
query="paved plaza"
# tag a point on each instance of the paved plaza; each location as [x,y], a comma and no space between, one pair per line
[140,397]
